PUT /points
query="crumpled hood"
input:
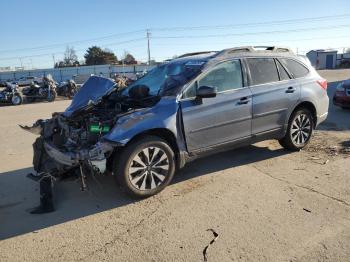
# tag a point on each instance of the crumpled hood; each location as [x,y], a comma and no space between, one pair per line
[92,91]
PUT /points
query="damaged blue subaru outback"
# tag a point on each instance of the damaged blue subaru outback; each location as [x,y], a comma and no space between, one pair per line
[191,106]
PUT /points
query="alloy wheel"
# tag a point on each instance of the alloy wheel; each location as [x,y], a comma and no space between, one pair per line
[149,168]
[301,129]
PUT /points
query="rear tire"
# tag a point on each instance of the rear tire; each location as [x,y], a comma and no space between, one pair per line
[299,131]
[52,96]
[145,167]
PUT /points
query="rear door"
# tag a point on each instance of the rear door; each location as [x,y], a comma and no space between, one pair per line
[274,93]
[222,119]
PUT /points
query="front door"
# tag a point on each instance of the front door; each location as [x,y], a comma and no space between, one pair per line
[210,122]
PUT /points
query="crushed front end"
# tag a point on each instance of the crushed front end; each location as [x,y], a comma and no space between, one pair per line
[82,139]
[73,140]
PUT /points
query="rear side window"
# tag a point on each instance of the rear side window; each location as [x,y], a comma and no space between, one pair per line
[296,68]
[262,70]
[283,74]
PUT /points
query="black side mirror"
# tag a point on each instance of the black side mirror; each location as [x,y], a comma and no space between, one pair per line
[139,91]
[206,92]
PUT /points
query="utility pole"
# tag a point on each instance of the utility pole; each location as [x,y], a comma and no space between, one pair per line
[20,59]
[148,47]
[54,61]
[123,67]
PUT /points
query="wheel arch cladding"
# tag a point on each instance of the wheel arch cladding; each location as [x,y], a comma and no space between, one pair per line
[311,107]
[162,133]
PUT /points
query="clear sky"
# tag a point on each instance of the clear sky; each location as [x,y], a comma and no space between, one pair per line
[36,30]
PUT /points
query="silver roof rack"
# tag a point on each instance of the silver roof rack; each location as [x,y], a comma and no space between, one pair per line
[196,53]
[244,49]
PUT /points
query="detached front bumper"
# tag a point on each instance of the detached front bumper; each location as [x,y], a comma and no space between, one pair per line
[96,153]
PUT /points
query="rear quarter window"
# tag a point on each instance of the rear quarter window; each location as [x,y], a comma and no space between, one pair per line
[283,74]
[297,69]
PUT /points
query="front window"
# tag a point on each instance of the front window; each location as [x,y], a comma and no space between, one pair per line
[166,79]
[224,77]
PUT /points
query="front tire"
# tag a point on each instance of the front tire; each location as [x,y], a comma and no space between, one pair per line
[299,131]
[16,100]
[145,167]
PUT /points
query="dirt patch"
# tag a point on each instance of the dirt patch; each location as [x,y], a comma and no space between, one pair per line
[329,143]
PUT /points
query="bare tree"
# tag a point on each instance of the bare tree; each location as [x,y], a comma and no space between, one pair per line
[128,58]
[70,56]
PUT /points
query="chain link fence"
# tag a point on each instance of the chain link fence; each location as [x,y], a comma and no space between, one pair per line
[79,72]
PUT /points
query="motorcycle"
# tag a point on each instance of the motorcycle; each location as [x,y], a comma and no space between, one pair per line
[47,90]
[67,88]
[10,94]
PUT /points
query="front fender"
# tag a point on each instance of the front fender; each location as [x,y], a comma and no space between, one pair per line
[162,115]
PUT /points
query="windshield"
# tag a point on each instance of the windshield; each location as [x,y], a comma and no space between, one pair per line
[166,78]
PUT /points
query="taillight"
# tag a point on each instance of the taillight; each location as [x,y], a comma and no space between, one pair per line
[322,83]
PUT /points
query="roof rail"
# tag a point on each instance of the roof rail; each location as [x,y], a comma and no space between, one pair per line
[242,49]
[195,53]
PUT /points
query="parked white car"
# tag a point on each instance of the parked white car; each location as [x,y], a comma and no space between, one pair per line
[27,80]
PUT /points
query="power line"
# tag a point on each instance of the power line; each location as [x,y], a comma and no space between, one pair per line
[275,22]
[255,42]
[46,54]
[253,33]
[71,43]
[196,36]
[191,28]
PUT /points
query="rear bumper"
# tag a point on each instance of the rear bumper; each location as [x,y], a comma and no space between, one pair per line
[321,118]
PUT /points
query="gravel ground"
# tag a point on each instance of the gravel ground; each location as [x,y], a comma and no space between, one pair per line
[265,203]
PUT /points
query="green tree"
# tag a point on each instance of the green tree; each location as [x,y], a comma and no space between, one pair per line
[97,56]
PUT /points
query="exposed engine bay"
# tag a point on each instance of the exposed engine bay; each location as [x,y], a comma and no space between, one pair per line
[74,139]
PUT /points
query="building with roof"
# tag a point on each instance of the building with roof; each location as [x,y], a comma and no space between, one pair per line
[323,58]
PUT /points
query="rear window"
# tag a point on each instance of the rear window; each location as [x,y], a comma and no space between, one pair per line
[294,67]
[262,70]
